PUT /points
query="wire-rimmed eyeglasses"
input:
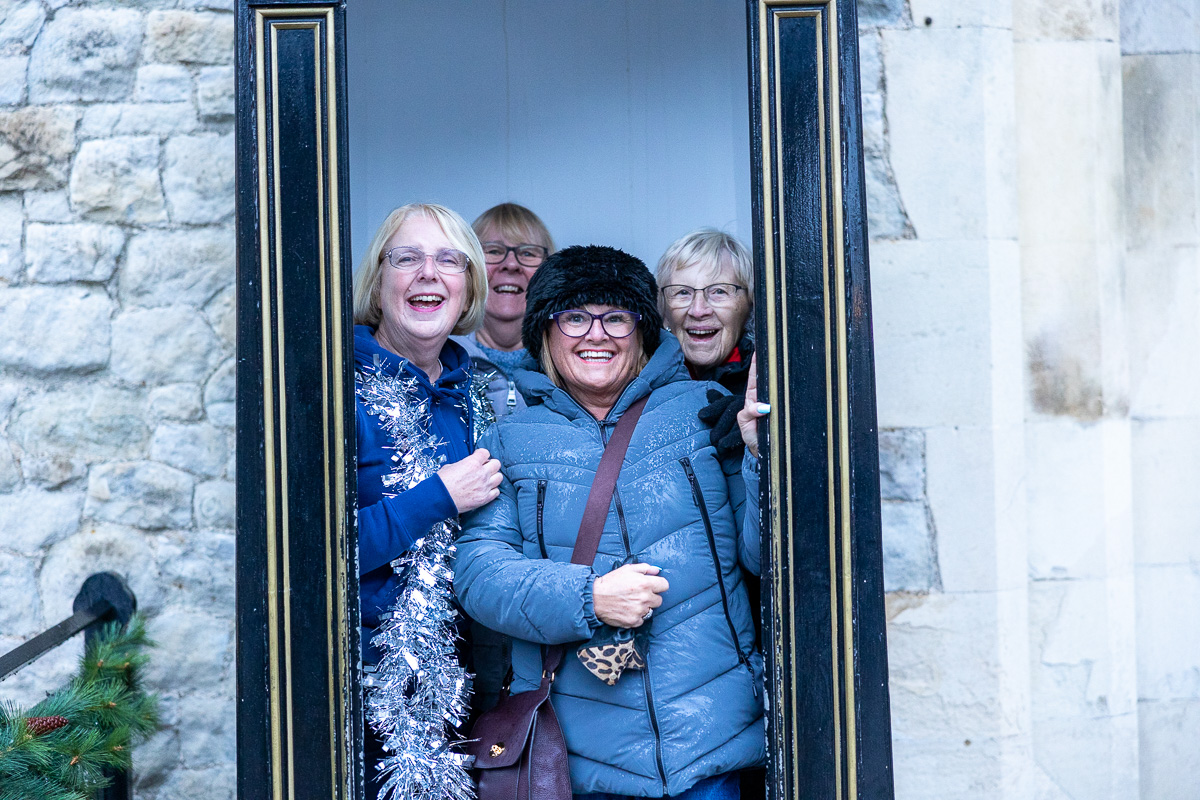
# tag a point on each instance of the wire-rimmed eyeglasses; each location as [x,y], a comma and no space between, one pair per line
[716,295]
[409,259]
[576,323]
[528,255]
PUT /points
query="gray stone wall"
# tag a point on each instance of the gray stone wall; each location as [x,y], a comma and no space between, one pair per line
[116,346]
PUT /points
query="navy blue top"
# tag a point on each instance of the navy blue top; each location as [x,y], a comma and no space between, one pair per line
[388,526]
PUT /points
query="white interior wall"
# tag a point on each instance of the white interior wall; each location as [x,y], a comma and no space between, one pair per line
[619,122]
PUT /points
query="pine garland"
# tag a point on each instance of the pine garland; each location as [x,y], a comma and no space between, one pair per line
[60,748]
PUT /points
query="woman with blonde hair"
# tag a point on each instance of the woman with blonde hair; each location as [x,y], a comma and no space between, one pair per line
[418,417]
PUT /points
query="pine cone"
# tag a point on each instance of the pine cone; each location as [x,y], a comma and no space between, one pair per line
[40,726]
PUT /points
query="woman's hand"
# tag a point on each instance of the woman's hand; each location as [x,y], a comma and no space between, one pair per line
[625,597]
[748,417]
[472,482]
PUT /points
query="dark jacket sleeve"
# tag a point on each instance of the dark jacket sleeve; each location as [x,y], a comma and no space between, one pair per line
[538,600]
[389,527]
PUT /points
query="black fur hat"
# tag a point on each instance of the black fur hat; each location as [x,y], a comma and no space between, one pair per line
[576,276]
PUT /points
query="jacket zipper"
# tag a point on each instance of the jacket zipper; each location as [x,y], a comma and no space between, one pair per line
[658,759]
[712,546]
[662,770]
[541,504]
[512,396]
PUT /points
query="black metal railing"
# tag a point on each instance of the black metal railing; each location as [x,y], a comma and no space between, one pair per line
[104,597]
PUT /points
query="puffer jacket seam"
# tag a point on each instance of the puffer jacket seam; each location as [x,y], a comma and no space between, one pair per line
[596,700]
[702,684]
[726,743]
[610,766]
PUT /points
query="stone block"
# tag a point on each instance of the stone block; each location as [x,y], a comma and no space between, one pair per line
[870,61]
[211,783]
[50,206]
[1082,637]
[950,93]
[52,471]
[99,548]
[162,83]
[157,757]
[1162,290]
[1084,757]
[179,402]
[215,505]
[1080,517]
[883,12]
[1168,758]
[177,267]
[33,520]
[198,178]
[64,253]
[86,54]
[214,92]
[47,329]
[1168,26]
[116,180]
[220,395]
[1168,633]
[943,14]
[199,449]
[1161,106]
[93,424]
[933,317]
[902,464]
[975,478]
[211,718]
[957,665]
[194,650]
[19,25]
[199,566]
[18,586]
[1166,505]
[10,472]
[909,548]
[141,494]
[941,767]
[1065,20]
[164,345]
[36,145]
[12,79]
[10,237]
[137,119]
[221,313]
[189,37]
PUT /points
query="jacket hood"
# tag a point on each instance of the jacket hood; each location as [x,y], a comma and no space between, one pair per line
[665,366]
[456,364]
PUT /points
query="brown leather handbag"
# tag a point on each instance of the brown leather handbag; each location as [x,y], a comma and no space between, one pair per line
[519,749]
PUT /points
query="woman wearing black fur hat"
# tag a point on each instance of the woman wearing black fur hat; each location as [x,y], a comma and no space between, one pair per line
[684,713]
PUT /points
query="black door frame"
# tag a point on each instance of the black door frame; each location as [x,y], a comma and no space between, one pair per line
[299,699]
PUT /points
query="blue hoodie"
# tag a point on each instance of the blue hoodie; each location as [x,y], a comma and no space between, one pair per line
[388,526]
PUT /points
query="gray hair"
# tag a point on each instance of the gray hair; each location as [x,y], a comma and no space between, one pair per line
[706,246]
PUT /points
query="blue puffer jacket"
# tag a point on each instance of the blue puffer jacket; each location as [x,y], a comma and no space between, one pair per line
[696,710]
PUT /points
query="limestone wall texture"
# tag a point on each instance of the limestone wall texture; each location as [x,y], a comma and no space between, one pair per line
[1034,203]
[116,345]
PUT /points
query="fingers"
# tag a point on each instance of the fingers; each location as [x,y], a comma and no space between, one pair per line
[645,569]
[657,585]
[481,455]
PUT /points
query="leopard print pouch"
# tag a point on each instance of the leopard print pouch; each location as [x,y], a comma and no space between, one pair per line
[611,651]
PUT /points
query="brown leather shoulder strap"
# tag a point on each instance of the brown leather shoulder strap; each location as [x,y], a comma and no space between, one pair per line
[605,483]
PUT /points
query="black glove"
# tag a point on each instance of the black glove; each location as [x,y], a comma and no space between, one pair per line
[721,415]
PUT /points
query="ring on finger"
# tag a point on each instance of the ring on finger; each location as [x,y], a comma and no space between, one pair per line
[649,612]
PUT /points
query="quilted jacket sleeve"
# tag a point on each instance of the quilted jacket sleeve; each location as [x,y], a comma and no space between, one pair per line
[747,513]
[537,600]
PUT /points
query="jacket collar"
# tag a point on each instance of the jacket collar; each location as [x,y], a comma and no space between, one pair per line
[665,366]
[451,384]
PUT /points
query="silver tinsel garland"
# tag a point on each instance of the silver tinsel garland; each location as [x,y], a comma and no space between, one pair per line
[419,692]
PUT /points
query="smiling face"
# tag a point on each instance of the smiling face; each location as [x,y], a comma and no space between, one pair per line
[707,335]
[419,308]
[595,368]
[507,282]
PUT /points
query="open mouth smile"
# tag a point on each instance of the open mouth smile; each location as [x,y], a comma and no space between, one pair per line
[595,356]
[508,288]
[702,334]
[426,302]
